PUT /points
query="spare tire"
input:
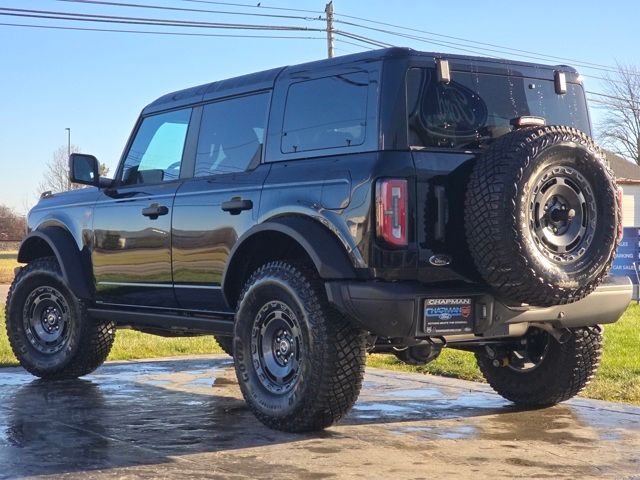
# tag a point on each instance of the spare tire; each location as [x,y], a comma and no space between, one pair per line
[542,216]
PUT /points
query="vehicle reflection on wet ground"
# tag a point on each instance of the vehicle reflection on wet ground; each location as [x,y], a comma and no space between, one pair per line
[186,418]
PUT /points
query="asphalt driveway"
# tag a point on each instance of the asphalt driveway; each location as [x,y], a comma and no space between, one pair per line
[184,418]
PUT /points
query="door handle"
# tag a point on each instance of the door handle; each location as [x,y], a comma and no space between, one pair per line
[154,210]
[236,205]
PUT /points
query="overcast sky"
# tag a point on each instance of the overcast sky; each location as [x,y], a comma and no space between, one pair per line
[96,83]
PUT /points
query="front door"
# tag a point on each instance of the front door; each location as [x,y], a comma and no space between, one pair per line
[132,221]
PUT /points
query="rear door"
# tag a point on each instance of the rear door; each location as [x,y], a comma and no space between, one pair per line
[132,221]
[221,202]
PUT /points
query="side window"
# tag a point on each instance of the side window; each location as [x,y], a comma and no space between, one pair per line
[327,112]
[231,135]
[156,152]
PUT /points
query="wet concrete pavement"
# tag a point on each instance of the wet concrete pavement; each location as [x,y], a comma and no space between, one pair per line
[184,418]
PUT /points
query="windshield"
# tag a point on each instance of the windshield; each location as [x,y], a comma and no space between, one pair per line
[476,107]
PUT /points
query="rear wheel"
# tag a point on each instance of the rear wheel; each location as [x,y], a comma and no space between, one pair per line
[49,329]
[540,371]
[299,363]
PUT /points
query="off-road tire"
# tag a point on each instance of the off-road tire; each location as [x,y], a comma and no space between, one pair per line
[500,229]
[88,343]
[225,343]
[332,362]
[564,372]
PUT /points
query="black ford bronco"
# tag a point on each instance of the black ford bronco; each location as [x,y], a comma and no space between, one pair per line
[391,201]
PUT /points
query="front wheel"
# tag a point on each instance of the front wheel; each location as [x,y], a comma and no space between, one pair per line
[49,330]
[299,363]
[540,371]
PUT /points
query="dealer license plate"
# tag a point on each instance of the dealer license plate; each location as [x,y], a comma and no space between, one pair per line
[446,316]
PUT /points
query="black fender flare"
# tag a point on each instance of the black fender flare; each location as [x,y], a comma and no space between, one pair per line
[74,263]
[326,251]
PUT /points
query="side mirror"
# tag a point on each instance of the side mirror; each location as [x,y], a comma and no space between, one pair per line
[84,169]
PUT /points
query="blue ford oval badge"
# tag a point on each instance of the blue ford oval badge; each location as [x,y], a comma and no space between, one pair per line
[440,260]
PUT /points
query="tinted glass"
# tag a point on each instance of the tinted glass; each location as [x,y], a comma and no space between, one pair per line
[156,152]
[231,135]
[475,107]
[326,113]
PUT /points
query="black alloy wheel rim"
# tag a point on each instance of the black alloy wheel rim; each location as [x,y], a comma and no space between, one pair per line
[46,320]
[276,347]
[531,352]
[562,214]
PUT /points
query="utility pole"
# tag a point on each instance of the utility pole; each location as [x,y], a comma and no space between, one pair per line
[68,141]
[328,9]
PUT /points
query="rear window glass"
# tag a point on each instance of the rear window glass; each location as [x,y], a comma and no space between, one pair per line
[231,135]
[475,107]
[328,112]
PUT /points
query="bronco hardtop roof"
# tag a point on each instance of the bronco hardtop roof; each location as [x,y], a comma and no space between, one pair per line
[266,79]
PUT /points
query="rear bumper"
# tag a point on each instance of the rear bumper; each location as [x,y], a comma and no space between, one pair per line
[396,309]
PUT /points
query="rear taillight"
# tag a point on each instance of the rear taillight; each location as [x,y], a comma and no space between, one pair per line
[391,211]
[620,228]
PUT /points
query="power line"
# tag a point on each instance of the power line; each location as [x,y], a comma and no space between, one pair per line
[604,104]
[613,97]
[503,49]
[457,46]
[155,32]
[375,41]
[249,5]
[341,40]
[607,67]
[363,39]
[182,9]
[478,50]
[536,55]
[146,21]
[481,50]
[418,38]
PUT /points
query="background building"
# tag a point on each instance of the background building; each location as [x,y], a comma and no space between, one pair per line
[628,257]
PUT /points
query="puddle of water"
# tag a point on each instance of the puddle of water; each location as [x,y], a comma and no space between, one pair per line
[384,410]
[477,400]
[415,393]
[381,407]
[608,419]
[14,379]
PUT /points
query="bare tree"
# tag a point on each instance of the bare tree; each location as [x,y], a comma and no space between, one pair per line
[56,175]
[12,225]
[620,128]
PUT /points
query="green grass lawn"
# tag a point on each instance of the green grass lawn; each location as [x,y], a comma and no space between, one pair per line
[8,261]
[618,378]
